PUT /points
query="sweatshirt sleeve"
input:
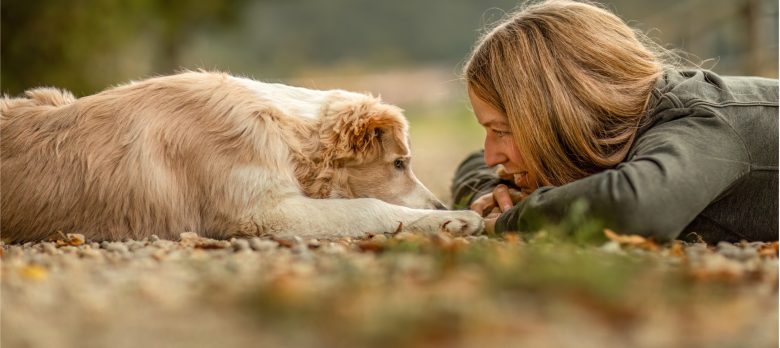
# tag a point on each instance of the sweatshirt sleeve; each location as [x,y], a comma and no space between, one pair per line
[672,173]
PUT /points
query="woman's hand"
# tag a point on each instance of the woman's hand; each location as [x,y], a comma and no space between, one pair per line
[500,200]
[490,221]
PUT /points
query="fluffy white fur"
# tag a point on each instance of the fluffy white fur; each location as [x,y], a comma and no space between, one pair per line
[214,154]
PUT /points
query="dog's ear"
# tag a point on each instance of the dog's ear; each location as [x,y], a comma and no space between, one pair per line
[357,129]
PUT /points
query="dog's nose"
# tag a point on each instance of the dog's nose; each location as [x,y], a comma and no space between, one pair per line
[439,205]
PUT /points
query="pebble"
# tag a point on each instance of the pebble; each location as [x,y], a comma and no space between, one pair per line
[334,248]
[313,243]
[117,247]
[300,249]
[90,253]
[188,235]
[734,252]
[262,244]
[611,247]
[69,249]
[240,244]
[153,238]
[49,248]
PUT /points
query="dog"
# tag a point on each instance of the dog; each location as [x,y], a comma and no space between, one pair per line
[211,153]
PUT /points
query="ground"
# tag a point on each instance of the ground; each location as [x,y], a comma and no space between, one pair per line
[399,290]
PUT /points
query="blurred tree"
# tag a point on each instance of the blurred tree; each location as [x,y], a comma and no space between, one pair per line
[84,45]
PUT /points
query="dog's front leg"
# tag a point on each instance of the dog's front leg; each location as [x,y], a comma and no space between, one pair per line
[321,218]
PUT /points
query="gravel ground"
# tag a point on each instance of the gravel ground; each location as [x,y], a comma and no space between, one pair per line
[387,291]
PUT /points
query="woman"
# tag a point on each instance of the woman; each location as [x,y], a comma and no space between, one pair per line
[577,107]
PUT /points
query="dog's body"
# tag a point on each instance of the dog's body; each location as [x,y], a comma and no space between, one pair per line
[210,153]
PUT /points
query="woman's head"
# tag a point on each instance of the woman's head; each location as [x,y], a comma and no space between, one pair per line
[571,81]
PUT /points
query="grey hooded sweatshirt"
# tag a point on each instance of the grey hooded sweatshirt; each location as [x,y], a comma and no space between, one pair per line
[704,160]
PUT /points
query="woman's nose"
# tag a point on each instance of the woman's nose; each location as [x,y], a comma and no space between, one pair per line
[493,154]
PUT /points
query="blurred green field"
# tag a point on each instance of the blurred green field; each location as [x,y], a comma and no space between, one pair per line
[442,137]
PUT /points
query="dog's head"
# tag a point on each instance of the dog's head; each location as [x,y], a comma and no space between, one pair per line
[366,146]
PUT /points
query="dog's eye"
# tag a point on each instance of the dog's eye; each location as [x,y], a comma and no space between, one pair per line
[399,164]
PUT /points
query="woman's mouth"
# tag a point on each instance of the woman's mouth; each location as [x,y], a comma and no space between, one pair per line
[522,181]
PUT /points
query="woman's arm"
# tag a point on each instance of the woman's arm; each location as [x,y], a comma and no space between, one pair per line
[673,172]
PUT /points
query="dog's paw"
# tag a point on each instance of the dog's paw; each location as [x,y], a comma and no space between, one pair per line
[463,222]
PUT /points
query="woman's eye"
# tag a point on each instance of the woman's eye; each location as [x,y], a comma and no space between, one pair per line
[399,164]
[500,134]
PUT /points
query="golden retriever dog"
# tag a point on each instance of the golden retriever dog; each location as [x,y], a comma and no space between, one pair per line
[211,153]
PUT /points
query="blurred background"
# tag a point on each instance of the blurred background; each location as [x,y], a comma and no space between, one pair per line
[409,52]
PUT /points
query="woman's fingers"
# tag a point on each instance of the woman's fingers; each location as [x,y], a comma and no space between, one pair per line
[502,198]
[517,195]
[484,204]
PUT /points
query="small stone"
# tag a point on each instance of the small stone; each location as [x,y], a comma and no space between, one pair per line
[104,244]
[133,246]
[153,238]
[334,248]
[49,248]
[300,249]
[240,244]
[188,236]
[729,250]
[117,247]
[69,249]
[749,253]
[611,247]
[92,253]
[262,244]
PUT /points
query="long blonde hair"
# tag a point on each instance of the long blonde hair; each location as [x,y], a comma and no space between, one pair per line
[574,81]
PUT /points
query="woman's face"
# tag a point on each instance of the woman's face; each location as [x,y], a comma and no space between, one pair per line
[500,147]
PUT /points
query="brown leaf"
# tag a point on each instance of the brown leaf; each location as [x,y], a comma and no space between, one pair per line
[768,249]
[677,249]
[632,240]
[75,239]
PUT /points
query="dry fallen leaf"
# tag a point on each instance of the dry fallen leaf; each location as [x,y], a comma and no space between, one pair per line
[677,249]
[768,249]
[375,243]
[75,239]
[631,240]
[33,272]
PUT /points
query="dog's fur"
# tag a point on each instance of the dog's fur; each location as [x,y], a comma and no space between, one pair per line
[211,153]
